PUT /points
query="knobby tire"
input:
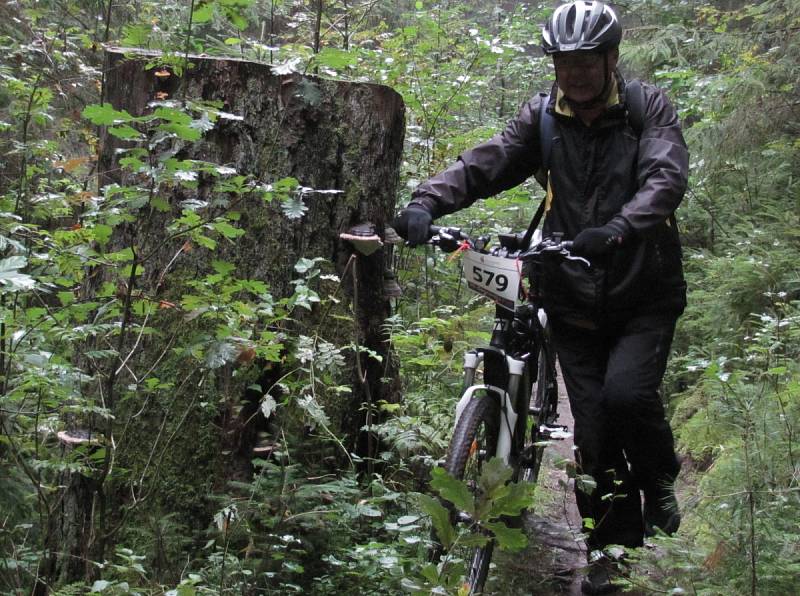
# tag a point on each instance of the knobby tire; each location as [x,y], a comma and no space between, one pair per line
[474,441]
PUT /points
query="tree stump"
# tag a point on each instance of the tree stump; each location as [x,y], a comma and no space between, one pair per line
[329,135]
[326,134]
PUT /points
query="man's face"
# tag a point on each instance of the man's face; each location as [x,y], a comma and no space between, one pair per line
[581,75]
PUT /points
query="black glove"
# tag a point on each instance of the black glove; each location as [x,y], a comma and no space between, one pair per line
[412,223]
[601,241]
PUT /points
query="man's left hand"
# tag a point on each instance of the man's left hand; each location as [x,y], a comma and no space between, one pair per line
[602,240]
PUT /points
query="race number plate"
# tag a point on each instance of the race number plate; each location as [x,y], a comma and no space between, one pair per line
[495,277]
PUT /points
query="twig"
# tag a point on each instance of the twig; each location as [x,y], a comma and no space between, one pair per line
[142,328]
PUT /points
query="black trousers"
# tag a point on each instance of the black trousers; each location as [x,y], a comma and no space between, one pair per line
[622,437]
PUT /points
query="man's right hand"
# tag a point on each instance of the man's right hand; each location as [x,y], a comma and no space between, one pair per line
[412,223]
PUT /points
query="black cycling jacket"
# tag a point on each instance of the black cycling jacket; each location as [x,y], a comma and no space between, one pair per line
[597,172]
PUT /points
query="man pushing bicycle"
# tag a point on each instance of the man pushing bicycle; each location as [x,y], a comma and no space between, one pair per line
[614,163]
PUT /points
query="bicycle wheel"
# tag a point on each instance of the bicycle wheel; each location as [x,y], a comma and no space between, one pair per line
[474,442]
[544,402]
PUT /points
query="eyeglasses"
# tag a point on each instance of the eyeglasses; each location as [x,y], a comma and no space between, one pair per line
[584,60]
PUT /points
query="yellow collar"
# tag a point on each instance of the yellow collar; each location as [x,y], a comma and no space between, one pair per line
[563,108]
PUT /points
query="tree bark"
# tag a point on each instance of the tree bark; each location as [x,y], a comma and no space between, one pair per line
[326,134]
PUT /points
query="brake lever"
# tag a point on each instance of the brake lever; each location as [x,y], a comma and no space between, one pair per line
[570,257]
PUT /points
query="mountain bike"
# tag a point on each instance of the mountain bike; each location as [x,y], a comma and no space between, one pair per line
[510,380]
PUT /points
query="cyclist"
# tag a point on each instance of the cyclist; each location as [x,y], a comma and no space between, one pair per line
[613,189]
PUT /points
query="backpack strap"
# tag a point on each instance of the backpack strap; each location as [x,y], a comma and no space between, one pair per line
[634,98]
[546,128]
[537,217]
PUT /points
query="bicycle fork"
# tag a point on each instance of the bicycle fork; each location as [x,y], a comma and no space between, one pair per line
[508,422]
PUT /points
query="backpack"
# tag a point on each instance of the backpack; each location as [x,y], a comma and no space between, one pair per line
[634,96]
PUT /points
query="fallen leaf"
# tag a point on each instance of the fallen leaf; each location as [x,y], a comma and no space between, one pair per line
[246,356]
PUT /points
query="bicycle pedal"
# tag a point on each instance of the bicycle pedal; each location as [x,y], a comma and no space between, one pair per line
[554,432]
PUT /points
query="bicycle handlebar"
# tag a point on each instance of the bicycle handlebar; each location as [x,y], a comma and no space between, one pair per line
[452,237]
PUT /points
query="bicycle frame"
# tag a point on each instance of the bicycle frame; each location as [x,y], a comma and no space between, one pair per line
[516,338]
[516,369]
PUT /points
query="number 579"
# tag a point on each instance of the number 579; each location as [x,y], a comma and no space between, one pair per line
[486,277]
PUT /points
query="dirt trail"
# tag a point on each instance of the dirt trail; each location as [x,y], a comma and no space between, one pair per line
[557,524]
[555,558]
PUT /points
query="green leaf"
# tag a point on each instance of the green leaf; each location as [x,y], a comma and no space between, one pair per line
[304,265]
[205,241]
[173,115]
[440,519]
[452,489]
[235,11]
[125,272]
[223,267]
[227,230]
[142,307]
[310,92]
[494,474]
[124,132]
[104,115]
[473,539]
[136,35]
[431,573]
[100,585]
[121,256]
[203,12]
[11,277]
[293,207]
[286,184]
[102,233]
[314,411]
[512,539]
[160,204]
[585,483]
[335,58]
[518,496]
[182,131]
[101,354]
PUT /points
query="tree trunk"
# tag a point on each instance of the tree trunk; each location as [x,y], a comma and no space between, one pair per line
[70,521]
[176,447]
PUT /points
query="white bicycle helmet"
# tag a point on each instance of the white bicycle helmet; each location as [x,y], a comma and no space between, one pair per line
[581,25]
